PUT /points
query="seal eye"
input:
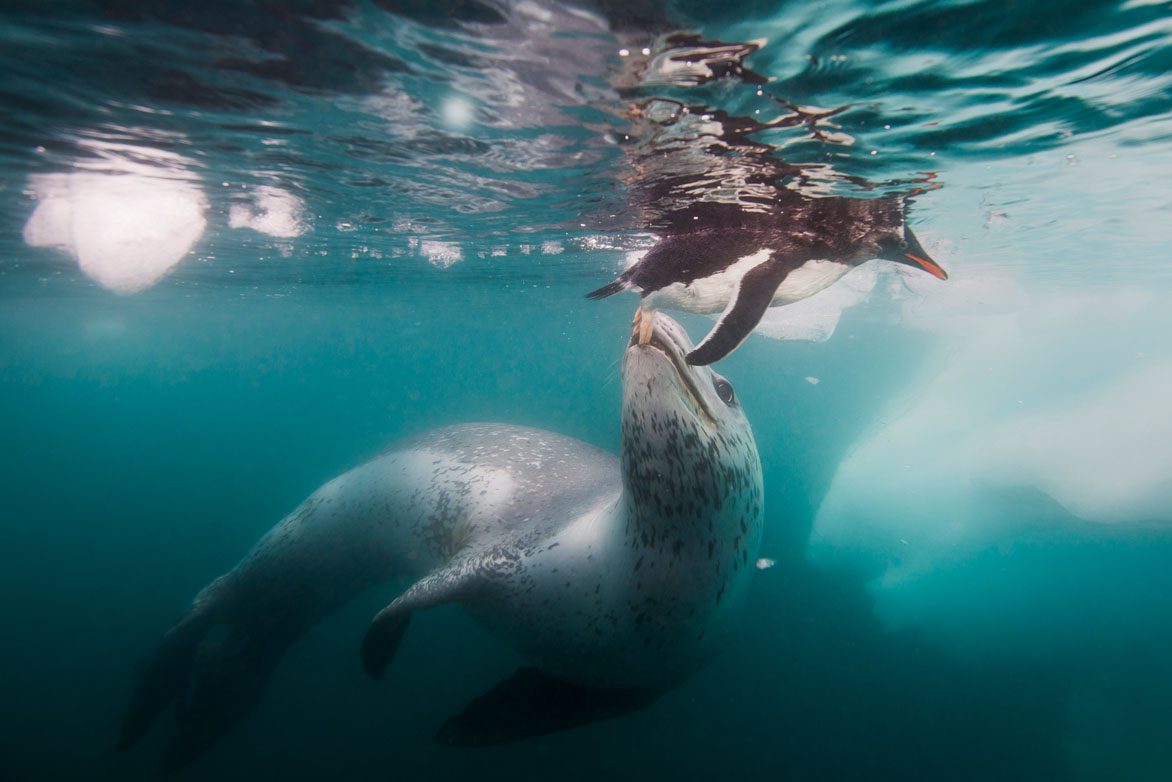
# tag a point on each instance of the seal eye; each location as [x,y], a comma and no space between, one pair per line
[724,390]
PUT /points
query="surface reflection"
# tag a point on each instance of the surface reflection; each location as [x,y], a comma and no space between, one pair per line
[270,211]
[127,218]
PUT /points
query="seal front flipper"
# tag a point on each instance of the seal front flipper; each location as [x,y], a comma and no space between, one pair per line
[446,585]
[753,296]
[531,703]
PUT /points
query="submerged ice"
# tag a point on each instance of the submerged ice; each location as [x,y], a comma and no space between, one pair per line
[1044,425]
[125,222]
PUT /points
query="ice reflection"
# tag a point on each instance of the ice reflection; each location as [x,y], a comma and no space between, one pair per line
[273,211]
[127,219]
[816,318]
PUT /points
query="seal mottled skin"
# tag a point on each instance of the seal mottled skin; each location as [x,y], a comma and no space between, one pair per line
[616,578]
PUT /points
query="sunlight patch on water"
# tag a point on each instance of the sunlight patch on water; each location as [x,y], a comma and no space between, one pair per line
[457,112]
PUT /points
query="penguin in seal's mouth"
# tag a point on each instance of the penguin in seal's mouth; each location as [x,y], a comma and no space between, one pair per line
[740,263]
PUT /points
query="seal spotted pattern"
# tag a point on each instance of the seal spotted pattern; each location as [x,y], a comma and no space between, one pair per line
[616,578]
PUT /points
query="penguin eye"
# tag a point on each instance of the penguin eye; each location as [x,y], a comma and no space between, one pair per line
[724,390]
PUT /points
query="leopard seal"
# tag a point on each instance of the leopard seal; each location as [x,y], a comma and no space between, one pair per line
[615,577]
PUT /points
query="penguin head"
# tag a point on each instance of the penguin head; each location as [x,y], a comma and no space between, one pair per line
[903,247]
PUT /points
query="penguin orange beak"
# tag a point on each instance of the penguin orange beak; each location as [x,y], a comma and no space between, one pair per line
[928,265]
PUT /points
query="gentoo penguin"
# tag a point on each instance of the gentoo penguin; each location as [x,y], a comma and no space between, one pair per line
[725,258]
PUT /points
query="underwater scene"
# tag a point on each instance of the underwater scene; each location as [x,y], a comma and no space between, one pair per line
[742,390]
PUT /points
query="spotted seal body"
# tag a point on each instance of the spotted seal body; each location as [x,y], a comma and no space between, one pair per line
[631,581]
[618,575]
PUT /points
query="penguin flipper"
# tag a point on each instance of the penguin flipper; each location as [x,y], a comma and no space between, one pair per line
[753,296]
[531,703]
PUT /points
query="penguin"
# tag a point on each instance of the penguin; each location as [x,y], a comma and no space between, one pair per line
[739,261]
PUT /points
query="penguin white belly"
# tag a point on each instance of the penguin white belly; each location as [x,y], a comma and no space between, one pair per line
[808,279]
[706,295]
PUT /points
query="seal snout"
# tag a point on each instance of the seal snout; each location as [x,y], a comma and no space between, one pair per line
[665,345]
[648,331]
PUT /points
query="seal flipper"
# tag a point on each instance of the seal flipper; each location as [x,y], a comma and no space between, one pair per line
[531,703]
[383,637]
[753,296]
[228,679]
[212,684]
[445,585]
[164,677]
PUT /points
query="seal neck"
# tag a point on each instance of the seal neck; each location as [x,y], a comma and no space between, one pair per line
[683,484]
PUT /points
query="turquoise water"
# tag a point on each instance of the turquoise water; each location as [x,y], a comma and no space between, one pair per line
[243,247]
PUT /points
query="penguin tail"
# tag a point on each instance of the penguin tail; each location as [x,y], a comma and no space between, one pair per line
[620,283]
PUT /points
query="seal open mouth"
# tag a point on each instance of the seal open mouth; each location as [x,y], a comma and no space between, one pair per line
[645,334]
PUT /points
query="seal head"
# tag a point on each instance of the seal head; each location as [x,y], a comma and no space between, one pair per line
[693,493]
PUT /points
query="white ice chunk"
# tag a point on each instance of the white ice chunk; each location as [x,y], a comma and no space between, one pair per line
[126,230]
[441,254]
[1064,402]
[273,211]
[1105,456]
